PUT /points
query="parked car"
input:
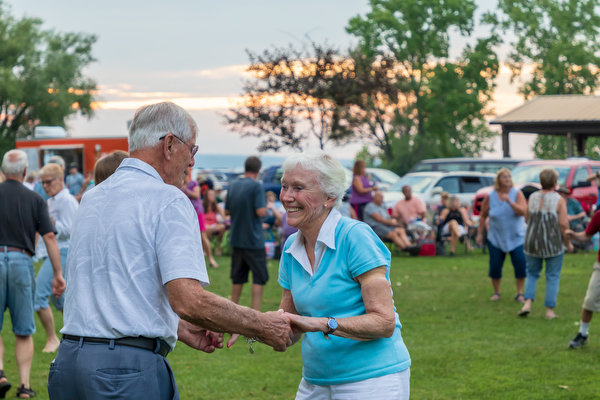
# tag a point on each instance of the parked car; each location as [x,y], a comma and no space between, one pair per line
[382,178]
[465,164]
[428,186]
[571,172]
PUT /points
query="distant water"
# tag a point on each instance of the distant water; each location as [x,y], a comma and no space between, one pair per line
[233,161]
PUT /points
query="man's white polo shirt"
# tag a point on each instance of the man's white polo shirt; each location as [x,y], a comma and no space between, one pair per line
[132,234]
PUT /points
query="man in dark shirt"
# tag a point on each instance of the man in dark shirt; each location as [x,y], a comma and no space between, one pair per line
[22,214]
[247,204]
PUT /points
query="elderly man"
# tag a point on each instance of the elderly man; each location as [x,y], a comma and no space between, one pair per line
[62,207]
[22,214]
[410,209]
[378,218]
[136,273]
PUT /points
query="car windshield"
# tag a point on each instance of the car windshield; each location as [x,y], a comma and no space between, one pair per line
[531,173]
[385,176]
[418,183]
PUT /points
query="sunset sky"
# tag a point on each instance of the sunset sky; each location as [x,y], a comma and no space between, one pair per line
[193,53]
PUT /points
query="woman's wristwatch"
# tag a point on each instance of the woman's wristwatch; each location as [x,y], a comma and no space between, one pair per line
[332,325]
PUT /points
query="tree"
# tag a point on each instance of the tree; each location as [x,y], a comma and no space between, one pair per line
[365,155]
[442,103]
[559,38]
[41,79]
[294,96]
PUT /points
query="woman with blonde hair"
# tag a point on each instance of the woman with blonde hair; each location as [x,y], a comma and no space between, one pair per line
[506,208]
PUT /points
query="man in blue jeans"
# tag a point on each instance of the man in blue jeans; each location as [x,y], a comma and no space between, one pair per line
[22,214]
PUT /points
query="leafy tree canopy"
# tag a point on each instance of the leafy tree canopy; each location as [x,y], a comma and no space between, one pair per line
[444,103]
[559,39]
[41,78]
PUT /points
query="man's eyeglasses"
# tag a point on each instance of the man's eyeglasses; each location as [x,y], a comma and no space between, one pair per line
[193,149]
[49,181]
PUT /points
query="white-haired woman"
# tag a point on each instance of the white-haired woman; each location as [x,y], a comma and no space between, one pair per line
[506,207]
[336,289]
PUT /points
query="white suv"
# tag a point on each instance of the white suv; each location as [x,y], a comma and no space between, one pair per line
[429,185]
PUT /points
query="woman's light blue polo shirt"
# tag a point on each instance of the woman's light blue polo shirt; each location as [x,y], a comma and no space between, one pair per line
[333,292]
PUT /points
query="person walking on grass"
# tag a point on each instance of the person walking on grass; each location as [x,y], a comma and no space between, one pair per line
[136,275]
[247,205]
[22,214]
[545,241]
[506,208]
[62,207]
[591,302]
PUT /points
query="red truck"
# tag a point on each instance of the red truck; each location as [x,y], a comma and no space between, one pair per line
[572,172]
[84,151]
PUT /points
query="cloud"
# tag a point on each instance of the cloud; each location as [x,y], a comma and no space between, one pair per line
[189,103]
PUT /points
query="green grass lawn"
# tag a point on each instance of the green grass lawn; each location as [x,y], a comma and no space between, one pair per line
[462,345]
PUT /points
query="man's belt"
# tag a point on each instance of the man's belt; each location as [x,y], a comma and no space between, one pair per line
[6,249]
[138,342]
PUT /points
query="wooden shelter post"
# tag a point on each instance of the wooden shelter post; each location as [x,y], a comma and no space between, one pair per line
[580,139]
[505,142]
[569,145]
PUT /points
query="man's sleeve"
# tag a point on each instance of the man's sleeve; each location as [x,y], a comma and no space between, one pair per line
[578,207]
[422,207]
[260,197]
[370,209]
[44,223]
[178,243]
[594,225]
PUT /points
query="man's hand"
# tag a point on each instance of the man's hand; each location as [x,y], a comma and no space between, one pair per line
[479,239]
[276,330]
[570,248]
[58,286]
[199,338]
[569,233]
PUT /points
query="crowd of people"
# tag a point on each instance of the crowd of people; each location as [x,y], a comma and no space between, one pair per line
[124,251]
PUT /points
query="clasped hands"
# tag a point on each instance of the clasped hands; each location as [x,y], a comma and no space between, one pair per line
[281,327]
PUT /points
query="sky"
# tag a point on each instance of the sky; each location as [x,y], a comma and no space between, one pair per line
[193,52]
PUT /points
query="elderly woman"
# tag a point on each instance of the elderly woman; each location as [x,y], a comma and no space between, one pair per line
[455,222]
[545,240]
[506,208]
[336,289]
[361,191]
[61,207]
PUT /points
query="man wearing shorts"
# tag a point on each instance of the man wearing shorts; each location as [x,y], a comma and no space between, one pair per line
[591,303]
[247,205]
[22,214]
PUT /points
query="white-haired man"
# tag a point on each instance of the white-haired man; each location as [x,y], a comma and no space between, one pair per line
[136,274]
[22,214]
